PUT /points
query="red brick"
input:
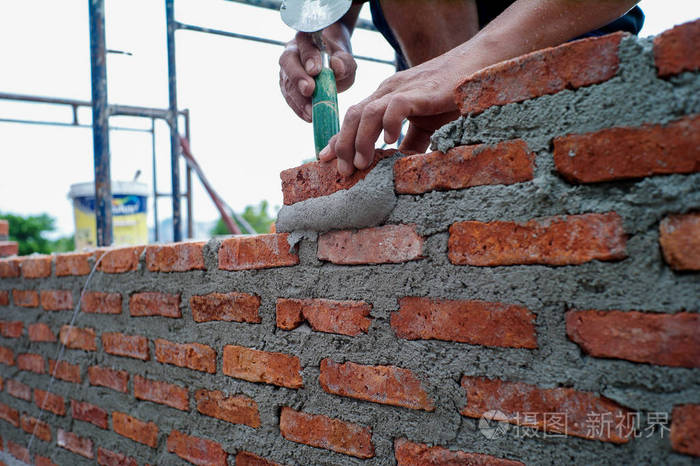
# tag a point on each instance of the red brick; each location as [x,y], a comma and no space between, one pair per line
[36,266]
[120,260]
[685,429]
[19,390]
[78,338]
[9,248]
[4,298]
[676,50]
[279,369]
[25,298]
[179,257]
[388,385]
[31,362]
[4,228]
[130,346]
[161,392]
[110,378]
[229,307]
[474,322]
[43,461]
[623,153]
[508,162]
[196,450]
[7,356]
[246,458]
[566,240]
[40,332]
[237,409]
[84,411]
[19,452]
[57,300]
[325,432]
[316,179]
[547,71]
[48,401]
[111,458]
[11,329]
[418,454]
[574,408]
[79,445]
[97,302]
[388,244]
[135,429]
[9,268]
[679,237]
[9,414]
[664,339]
[33,426]
[325,315]
[256,252]
[191,355]
[64,371]
[73,264]
[155,304]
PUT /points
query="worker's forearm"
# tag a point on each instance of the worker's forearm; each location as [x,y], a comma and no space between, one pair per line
[350,18]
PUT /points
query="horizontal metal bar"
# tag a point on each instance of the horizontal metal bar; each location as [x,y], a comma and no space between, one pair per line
[61,123]
[235,35]
[45,100]
[146,112]
[169,195]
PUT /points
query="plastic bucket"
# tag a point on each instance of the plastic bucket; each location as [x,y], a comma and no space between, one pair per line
[129,210]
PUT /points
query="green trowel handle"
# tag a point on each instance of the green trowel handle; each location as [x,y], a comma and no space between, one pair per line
[325,109]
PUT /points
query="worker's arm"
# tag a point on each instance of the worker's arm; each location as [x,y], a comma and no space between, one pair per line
[301,61]
[424,93]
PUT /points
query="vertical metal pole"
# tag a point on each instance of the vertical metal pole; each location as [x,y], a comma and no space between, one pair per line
[100,123]
[155,178]
[172,120]
[190,221]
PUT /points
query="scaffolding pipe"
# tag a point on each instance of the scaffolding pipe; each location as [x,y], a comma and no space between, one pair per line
[173,120]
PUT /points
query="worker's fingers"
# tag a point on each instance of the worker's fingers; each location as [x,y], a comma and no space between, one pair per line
[345,143]
[290,64]
[309,54]
[398,109]
[416,140]
[328,153]
[344,67]
[368,130]
[297,102]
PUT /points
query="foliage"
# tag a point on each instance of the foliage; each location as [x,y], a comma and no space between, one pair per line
[257,217]
[29,234]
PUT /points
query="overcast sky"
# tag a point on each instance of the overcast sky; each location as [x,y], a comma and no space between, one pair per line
[243,134]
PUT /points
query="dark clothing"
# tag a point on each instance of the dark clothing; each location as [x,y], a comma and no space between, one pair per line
[489,9]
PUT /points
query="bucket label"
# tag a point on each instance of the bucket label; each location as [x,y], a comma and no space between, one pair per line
[128,220]
[121,204]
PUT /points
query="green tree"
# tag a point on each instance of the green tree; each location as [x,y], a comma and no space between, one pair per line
[29,234]
[256,216]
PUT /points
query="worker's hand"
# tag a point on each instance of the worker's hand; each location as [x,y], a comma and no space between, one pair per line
[301,61]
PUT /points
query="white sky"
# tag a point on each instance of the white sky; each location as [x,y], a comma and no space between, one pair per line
[243,134]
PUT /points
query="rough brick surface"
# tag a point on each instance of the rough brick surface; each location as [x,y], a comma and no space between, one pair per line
[389,244]
[316,179]
[36,267]
[11,329]
[246,458]
[475,322]
[196,450]
[84,411]
[4,298]
[325,432]
[64,370]
[465,166]
[33,426]
[237,409]
[325,315]
[130,346]
[40,332]
[155,304]
[110,378]
[685,429]
[18,389]
[43,461]
[622,153]
[98,302]
[665,339]
[569,240]
[51,402]
[120,260]
[7,356]
[135,429]
[79,445]
[179,257]
[9,268]
[4,228]
[19,452]
[253,365]
[111,458]
[191,355]
[676,50]
[31,362]
[9,248]
[679,236]
[78,338]
[229,307]
[9,414]
[25,298]
[73,264]
[161,392]
[56,300]
[558,410]
[547,71]
[418,454]
[380,384]
[256,252]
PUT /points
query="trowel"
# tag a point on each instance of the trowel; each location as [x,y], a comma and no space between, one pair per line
[313,16]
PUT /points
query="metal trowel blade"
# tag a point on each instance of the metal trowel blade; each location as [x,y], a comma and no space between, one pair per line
[313,15]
